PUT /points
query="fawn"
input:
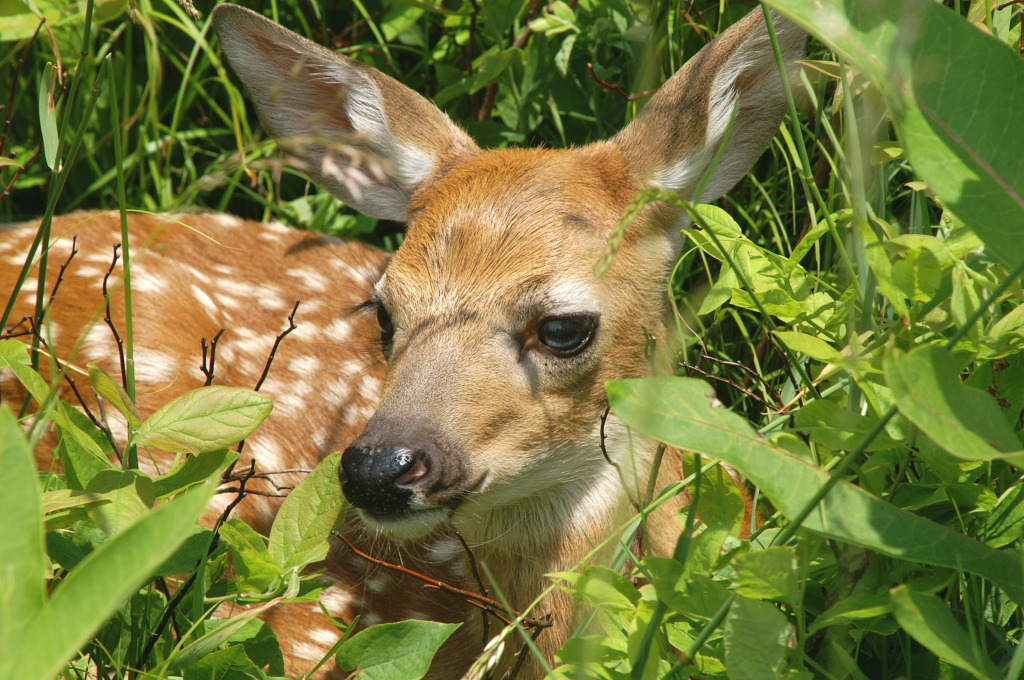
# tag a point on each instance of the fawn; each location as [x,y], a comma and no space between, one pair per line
[496,334]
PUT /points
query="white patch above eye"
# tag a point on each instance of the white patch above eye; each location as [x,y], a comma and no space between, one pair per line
[571,297]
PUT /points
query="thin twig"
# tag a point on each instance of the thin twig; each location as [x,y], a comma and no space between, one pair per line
[479,581]
[506,615]
[107,319]
[615,88]
[521,655]
[209,369]
[270,359]
[63,268]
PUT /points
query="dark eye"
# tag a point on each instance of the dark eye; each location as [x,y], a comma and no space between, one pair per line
[567,335]
[387,329]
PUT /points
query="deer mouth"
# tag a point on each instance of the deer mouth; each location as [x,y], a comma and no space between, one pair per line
[418,519]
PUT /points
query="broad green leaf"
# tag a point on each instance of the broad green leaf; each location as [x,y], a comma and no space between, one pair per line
[963,420]
[679,412]
[131,496]
[819,350]
[64,507]
[1005,524]
[838,428]
[881,266]
[589,649]
[933,68]
[83,449]
[222,664]
[254,567]
[602,587]
[309,513]
[867,605]
[193,470]
[205,419]
[499,15]
[48,115]
[115,395]
[768,574]
[21,541]
[96,588]
[755,640]
[217,636]
[929,621]
[394,651]
[14,355]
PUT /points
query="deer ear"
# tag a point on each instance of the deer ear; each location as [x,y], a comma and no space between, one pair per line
[359,134]
[673,141]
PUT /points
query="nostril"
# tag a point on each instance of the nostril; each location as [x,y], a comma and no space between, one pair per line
[379,478]
[417,471]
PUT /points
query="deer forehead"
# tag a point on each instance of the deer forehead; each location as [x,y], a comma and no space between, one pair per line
[512,224]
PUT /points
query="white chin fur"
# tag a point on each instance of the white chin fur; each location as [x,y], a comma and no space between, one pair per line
[414,525]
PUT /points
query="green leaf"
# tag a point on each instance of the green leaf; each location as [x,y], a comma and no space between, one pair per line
[768,574]
[929,621]
[303,525]
[394,651]
[48,114]
[755,640]
[499,15]
[114,394]
[254,567]
[601,587]
[193,470]
[14,355]
[963,420]
[83,449]
[96,588]
[867,605]
[838,428]
[933,68]
[21,542]
[131,496]
[881,266]
[819,350]
[205,419]
[679,412]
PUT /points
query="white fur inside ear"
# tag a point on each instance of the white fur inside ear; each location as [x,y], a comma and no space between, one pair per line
[748,84]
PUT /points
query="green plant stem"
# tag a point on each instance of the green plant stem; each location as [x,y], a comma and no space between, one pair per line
[811,192]
[132,456]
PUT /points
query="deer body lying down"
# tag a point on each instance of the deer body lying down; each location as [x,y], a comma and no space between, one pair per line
[496,334]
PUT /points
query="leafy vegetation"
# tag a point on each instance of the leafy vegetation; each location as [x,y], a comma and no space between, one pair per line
[856,304]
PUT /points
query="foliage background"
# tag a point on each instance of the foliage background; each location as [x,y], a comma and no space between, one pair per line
[834,302]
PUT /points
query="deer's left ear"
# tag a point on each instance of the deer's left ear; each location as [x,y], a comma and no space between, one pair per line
[673,141]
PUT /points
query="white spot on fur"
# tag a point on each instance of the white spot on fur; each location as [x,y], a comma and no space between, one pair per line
[154,366]
[371,618]
[313,279]
[335,599]
[377,585]
[443,550]
[338,330]
[324,636]
[369,387]
[307,650]
[200,295]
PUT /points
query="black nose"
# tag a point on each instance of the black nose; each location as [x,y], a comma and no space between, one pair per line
[377,479]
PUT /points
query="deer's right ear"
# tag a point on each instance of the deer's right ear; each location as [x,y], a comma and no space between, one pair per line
[361,135]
